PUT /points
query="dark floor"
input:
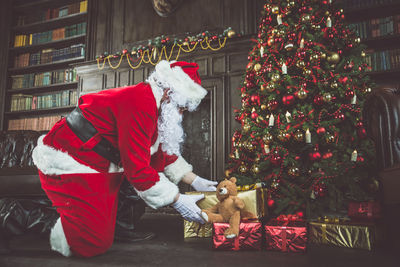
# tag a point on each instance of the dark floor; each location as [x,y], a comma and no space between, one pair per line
[170,249]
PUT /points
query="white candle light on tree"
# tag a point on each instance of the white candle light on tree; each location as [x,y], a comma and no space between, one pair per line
[354,155]
[302,43]
[354,100]
[308,137]
[262,51]
[284,68]
[288,116]
[271,120]
[266,149]
[329,22]
[279,19]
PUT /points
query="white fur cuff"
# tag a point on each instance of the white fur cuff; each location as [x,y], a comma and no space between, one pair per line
[58,242]
[177,170]
[161,194]
[55,162]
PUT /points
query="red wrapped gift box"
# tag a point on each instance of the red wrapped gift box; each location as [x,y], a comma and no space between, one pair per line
[364,210]
[286,234]
[250,236]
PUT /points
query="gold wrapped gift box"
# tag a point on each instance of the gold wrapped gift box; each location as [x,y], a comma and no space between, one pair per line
[253,199]
[343,234]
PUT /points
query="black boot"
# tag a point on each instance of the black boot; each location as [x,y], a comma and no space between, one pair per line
[130,209]
[22,216]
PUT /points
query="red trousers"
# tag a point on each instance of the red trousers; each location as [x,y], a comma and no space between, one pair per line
[87,204]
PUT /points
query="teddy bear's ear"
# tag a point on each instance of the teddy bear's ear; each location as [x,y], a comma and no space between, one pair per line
[233,180]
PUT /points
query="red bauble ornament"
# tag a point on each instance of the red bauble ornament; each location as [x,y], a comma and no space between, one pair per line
[254,115]
[327,155]
[300,214]
[359,124]
[288,100]
[270,203]
[314,156]
[124,51]
[321,130]
[361,132]
[318,100]
[276,160]
[349,94]
[360,159]
[255,99]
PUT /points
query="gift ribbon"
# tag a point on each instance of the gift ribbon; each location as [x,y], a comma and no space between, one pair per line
[236,243]
[324,238]
[284,239]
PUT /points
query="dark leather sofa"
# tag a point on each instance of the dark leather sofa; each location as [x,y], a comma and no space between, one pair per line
[382,120]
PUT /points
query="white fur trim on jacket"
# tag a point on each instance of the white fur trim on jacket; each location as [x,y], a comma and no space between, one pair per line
[58,241]
[160,194]
[177,170]
[154,148]
[178,81]
[55,162]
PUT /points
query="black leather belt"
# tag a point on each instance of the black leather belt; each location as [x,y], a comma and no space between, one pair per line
[84,130]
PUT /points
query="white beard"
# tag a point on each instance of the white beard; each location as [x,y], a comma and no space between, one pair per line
[170,129]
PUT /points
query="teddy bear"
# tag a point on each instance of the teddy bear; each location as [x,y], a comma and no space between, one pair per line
[229,209]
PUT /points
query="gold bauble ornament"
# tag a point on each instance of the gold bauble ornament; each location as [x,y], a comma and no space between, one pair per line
[232,156]
[257,67]
[283,136]
[267,138]
[368,90]
[305,18]
[334,58]
[262,88]
[334,85]
[270,87]
[246,128]
[185,43]
[298,136]
[327,97]
[255,169]
[275,10]
[330,138]
[228,173]
[357,40]
[294,171]
[243,168]
[307,72]
[323,56]
[327,13]
[363,53]
[302,94]
[314,57]
[259,119]
[263,107]
[250,147]
[275,77]
[231,33]
[300,64]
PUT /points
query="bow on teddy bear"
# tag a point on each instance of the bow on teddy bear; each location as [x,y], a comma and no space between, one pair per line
[229,209]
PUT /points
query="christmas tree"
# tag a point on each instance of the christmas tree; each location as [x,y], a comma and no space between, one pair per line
[301,132]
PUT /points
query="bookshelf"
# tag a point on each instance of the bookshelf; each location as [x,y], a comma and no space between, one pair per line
[378,25]
[46,37]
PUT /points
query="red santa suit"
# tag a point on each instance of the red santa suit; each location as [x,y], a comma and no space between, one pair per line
[84,185]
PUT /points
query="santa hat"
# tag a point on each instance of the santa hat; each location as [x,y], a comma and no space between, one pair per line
[182,78]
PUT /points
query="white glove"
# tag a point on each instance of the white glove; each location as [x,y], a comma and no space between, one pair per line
[201,184]
[186,206]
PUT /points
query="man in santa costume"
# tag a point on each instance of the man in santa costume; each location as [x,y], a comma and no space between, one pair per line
[132,133]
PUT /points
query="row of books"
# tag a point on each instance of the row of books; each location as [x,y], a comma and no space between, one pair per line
[377,27]
[43,123]
[365,3]
[49,56]
[64,98]
[43,78]
[48,36]
[384,60]
[53,13]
